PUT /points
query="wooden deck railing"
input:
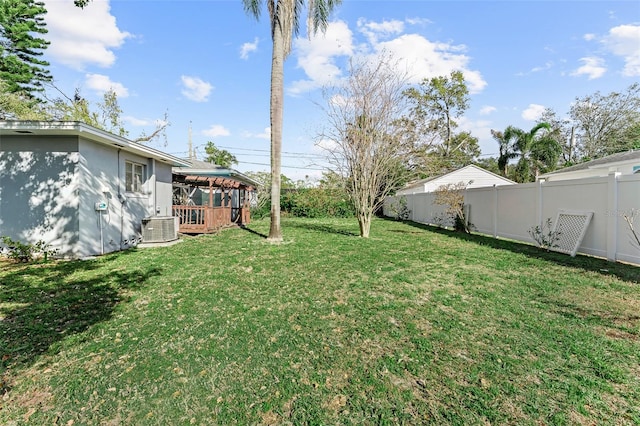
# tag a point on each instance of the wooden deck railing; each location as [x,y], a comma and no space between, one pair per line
[204,219]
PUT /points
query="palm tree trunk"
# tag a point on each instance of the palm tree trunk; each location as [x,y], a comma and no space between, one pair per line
[277,106]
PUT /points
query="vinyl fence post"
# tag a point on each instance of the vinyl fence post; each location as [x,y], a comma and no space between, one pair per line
[612,216]
[495,211]
[540,203]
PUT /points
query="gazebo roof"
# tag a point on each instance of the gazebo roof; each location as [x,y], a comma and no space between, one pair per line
[210,181]
[204,169]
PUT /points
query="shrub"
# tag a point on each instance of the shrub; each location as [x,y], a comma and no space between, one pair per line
[452,197]
[27,252]
[400,210]
[310,203]
[544,236]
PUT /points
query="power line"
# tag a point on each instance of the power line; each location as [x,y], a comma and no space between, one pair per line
[284,167]
[306,154]
[286,154]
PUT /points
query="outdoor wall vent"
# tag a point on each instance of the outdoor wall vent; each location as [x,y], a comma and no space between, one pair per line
[160,229]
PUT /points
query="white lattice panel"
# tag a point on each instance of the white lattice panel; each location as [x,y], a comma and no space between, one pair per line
[572,225]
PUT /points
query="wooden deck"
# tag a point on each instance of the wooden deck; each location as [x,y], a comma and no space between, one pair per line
[206,220]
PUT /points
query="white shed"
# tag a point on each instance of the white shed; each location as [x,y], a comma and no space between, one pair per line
[625,163]
[473,176]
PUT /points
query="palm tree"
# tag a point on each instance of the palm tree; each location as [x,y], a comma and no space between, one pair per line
[537,153]
[507,151]
[284,16]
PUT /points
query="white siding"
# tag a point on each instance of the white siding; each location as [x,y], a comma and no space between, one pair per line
[624,168]
[472,176]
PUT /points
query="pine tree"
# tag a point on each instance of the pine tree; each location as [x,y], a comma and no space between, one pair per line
[21,24]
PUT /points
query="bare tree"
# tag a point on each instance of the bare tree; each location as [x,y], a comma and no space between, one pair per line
[362,136]
[451,196]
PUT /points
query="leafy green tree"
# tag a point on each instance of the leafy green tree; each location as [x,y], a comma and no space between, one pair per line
[18,106]
[605,123]
[112,114]
[21,23]
[564,132]
[284,16]
[105,115]
[218,156]
[436,105]
[537,151]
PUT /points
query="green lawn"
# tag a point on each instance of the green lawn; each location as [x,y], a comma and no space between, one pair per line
[414,325]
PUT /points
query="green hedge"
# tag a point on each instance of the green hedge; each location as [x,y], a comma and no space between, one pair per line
[311,203]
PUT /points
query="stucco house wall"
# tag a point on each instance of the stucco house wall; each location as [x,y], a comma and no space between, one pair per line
[40,183]
[50,184]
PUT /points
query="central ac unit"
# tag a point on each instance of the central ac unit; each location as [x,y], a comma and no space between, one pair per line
[159,229]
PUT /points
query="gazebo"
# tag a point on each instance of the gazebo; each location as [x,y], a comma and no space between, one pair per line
[207,198]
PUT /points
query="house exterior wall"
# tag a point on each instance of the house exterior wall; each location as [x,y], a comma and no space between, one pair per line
[164,189]
[39,185]
[102,171]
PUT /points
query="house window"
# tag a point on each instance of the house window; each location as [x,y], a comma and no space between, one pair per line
[134,176]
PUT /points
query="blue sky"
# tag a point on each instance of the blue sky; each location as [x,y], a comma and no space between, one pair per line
[207,63]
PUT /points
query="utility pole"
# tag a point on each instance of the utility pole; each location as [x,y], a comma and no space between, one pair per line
[191,156]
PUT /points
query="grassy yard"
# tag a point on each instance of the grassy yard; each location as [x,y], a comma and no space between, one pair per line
[413,326]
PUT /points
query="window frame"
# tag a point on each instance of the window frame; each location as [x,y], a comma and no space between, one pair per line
[132,170]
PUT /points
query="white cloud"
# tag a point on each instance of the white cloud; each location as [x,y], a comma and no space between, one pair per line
[216,130]
[420,57]
[81,37]
[316,56]
[624,41]
[547,66]
[481,129]
[247,48]
[195,88]
[102,83]
[266,134]
[487,109]
[418,21]
[593,67]
[324,146]
[589,37]
[533,112]
[376,30]
[138,122]
[426,59]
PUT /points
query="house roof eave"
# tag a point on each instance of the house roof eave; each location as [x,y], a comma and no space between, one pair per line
[76,128]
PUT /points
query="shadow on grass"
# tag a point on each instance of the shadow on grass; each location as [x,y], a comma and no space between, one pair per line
[252,231]
[624,272]
[320,227]
[44,303]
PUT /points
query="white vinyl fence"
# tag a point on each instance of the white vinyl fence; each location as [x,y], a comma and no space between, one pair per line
[510,211]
